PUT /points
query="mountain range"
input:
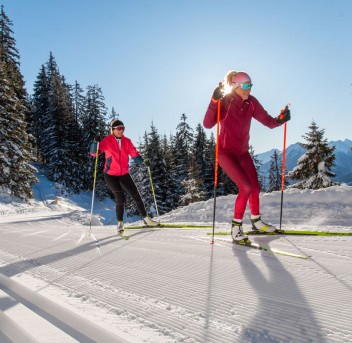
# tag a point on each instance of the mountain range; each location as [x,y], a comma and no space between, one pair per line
[343,159]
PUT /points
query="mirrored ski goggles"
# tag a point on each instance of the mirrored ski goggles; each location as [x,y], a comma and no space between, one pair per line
[119,128]
[246,86]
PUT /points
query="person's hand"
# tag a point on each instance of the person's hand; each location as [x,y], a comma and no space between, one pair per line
[219,91]
[284,116]
[138,160]
[93,148]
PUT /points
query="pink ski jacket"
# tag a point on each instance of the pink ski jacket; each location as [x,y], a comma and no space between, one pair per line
[116,159]
[235,121]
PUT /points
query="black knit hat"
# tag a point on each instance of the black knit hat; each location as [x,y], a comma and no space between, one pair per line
[116,123]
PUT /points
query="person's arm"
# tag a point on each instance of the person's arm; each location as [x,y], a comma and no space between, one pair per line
[260,114]
[94,146]
[211,114]
[134,153]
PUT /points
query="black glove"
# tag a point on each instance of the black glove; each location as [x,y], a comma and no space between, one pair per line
[284,116]
[93,148]
[138,160]
[219,91]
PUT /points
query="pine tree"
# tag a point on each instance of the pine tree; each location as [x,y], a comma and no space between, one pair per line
[77,94]
[141,179]
[15,149]
[192,185]
[274,183]
[73,143]
[112,116]
[199,154]
[182,150]
[209,166]
[163,183]
[171,199]
[313,168]
[94,127]
[40,105]
[62,139]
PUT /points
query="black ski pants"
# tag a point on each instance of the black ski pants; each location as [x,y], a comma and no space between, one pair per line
[120,184]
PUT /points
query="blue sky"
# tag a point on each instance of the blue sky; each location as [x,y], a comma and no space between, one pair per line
[157,59]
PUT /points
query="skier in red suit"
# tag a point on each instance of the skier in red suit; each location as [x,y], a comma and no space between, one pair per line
[117,149]
[237,109]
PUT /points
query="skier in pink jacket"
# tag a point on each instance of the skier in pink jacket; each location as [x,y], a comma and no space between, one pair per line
[117,149]
[237,109]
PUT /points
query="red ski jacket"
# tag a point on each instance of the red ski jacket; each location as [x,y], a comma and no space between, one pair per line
[235,121]
[116,159]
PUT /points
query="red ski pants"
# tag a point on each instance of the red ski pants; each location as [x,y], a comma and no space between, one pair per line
[241,170]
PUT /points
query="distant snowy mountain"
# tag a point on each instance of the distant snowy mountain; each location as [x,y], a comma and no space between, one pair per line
[343,159]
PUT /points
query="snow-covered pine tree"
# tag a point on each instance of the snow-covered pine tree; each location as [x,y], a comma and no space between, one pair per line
[171,200]
[163,183]
[182,151]
[209,156]
[62,142]
[47,130]
[314,167]
[73,144]
[192,185]
[17,173]
[140,176]
[94,125]
[274,179]
[113,115]
[199,153]
[40,106]
[77,94]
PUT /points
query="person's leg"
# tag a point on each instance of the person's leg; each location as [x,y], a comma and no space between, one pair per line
[130,187]
[113,183]
[254,203]
[236,171]
[252,176]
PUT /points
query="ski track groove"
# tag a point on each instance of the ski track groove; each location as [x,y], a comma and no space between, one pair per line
[70,272]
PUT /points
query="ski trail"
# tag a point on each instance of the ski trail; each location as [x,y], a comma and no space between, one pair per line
[96,242]
[91,235]
[63,235]
[66,325]
[206,240]
[81,238]
[35,233]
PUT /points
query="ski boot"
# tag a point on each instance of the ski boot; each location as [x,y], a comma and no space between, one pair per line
[120,230]
[259,226]
[237,234]
[150,222]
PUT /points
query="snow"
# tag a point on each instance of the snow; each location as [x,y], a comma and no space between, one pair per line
[58,284]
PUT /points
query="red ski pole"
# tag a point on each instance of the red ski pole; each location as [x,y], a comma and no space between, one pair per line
[283,167]
[216,166]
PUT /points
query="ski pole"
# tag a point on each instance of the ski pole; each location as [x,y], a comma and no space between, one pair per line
[283,168]
[94,182]
[153,192]
[216,166]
